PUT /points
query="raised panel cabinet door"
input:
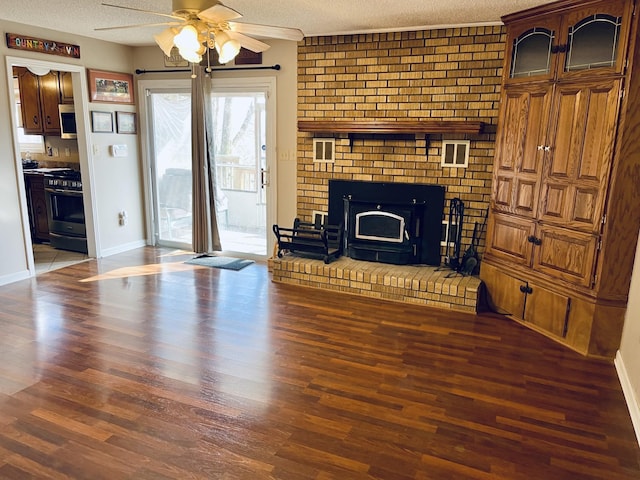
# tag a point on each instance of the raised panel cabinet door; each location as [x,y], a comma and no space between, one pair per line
[578,165]
[520,149]
[594,39]
[50,98]
[506,294]
[565,254]
[547,311]
[66,87]
[29,101]
[509,238]
[530,49]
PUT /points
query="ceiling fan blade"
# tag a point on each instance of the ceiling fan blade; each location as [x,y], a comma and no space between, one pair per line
[218,14]
[247,42]
[139,26]
[143,11]
[267,31]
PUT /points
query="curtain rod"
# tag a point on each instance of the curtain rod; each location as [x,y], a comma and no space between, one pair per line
[261,67]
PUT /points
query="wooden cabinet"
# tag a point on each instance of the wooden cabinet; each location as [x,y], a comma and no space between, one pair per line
[40,96]
[37,207]
[564,223]
[568,39]
[66,88]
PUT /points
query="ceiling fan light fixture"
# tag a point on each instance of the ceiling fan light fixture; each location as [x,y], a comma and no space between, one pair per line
[187,39]
[226,47]
[164,40]
[189,43]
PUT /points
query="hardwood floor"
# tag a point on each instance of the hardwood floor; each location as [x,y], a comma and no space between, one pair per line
[139,366]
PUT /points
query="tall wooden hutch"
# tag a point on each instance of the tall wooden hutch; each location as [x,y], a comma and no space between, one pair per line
[565,206]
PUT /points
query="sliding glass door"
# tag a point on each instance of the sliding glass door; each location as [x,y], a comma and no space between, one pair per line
[243,154]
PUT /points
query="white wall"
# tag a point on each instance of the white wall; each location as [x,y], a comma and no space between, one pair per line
[107,196]
[628,358]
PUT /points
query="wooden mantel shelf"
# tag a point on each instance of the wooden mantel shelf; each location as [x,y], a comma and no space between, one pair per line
[390,127]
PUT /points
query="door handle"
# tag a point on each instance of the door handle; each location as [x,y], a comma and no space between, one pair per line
[264,178]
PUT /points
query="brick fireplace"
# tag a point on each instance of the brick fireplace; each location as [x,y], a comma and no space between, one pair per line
[449,74]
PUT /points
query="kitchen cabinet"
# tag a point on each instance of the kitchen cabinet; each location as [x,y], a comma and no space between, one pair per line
[40,96]
[37,207]
[563,224]
[66,87]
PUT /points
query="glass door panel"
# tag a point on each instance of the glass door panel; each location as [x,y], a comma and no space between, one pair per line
[239,122]
[170,131]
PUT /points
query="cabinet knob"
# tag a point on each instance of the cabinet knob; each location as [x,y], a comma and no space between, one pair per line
[533,239]
[35,120]
[526,289]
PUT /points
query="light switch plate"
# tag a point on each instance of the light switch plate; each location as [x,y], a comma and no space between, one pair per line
[119,150]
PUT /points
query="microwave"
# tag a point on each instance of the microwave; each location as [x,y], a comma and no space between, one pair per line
[67,121]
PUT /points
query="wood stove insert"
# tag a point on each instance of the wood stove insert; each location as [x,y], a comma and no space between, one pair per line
[394,223]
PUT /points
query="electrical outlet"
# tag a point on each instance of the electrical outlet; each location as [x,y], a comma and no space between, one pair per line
[122,218]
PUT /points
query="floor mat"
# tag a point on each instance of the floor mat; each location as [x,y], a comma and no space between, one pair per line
[228,263]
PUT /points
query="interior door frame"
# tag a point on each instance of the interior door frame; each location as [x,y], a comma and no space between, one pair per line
[81,107]
[230,85]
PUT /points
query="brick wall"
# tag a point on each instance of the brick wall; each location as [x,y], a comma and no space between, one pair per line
[443,74]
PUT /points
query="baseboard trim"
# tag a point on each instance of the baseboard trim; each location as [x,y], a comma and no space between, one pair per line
[629,394]
[122,248]
[14,277]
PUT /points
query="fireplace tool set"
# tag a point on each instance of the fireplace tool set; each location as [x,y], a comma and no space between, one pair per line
[468,263]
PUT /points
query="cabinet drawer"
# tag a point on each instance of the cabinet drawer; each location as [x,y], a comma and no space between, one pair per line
[566,254]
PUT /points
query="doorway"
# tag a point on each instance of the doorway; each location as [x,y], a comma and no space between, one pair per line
[40,257]
[244,142]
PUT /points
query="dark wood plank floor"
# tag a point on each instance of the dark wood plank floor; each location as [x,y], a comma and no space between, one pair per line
[141,367]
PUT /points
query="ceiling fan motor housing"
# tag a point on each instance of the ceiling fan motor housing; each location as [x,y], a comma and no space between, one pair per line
[186,8]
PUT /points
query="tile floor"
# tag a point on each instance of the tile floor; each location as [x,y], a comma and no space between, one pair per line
[47,258]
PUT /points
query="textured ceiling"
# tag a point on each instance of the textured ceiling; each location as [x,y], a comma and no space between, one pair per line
[313,17]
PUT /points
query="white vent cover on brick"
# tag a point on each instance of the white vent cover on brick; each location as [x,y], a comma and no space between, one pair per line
[319,218]
[455,153]
[448,234]
[324,149]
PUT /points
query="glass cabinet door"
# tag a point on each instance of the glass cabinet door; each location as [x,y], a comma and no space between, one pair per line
[592,39]
[530,51]
[531,54]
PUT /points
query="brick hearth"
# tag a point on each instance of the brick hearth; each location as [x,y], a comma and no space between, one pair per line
[420,285]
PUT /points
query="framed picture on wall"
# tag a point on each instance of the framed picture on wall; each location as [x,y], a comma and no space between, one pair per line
[110,87]
[101,122]
[125,122]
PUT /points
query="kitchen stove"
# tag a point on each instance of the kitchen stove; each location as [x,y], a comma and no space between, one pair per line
[65,210]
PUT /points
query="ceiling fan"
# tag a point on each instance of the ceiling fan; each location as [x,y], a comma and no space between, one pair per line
[198,25]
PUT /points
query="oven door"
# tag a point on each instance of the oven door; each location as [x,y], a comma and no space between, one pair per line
[65,212]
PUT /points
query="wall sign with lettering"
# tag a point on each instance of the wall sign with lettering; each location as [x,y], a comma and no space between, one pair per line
[51,47]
